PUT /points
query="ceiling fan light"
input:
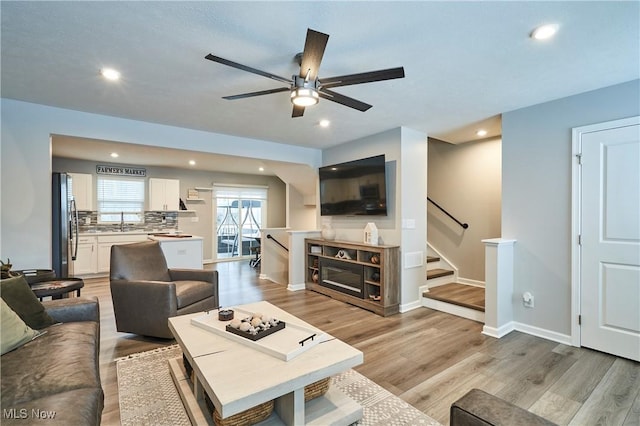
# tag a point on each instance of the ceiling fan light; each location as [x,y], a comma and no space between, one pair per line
[304,97]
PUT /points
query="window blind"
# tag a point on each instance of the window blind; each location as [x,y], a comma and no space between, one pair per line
[118,195]
[240,192]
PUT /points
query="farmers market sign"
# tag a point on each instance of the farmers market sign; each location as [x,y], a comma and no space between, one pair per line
[121,171]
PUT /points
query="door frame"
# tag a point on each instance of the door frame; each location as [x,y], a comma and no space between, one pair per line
[576,216]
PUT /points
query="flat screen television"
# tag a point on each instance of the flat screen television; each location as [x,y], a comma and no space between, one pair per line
[354,188]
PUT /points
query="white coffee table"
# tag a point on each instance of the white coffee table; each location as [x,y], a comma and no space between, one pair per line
[237,377]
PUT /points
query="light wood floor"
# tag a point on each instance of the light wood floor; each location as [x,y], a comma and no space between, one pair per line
[427,358]
[459,294]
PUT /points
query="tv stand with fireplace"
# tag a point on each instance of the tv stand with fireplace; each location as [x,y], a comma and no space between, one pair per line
[363,275]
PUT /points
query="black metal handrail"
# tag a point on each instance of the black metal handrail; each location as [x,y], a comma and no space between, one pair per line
[464,225]
[269,236]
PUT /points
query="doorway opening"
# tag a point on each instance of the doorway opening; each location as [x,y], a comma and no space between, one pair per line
[240,214]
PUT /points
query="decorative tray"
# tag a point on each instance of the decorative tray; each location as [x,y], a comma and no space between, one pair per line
[259,335]
[283,342]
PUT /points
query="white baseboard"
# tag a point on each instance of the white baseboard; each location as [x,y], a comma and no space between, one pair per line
[498,332]
[296,287]
[410,306]
[545,334]
[528,329]
[468,281]
[456,310]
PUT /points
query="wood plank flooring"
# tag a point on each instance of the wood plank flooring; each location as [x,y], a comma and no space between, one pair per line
[459,294]
[427,358]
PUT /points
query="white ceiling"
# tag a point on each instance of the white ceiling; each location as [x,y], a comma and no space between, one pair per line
[465,62]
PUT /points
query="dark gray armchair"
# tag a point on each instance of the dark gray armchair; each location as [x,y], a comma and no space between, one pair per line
[145,292]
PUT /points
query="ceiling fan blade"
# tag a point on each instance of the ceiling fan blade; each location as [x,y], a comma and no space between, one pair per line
[312,55]
[344,100]
[260,93]
[298,111]
[365,77]
[246,68]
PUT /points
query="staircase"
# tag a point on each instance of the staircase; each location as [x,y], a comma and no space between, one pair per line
[444,292]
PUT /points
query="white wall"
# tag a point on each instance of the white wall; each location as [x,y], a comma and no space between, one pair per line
[25,172]
[406,158]
[465,180]
[300,215]
[536,196]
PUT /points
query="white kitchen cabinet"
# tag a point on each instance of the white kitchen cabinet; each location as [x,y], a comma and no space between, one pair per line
[87,258]
[164,194]
[82,190]
[104,247]
[181,252]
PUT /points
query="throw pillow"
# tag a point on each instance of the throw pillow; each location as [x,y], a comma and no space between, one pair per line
[15,332]
[18,295]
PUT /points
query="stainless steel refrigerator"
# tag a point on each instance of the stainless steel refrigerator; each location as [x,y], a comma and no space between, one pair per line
[64,226]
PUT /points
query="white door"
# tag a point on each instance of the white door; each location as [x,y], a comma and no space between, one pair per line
[610,238]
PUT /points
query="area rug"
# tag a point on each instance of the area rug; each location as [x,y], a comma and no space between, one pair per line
[148,396]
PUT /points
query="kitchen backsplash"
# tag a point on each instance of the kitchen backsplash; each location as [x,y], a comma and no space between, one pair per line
[153,221]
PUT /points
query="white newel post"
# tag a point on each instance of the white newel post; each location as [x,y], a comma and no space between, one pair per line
[498,292]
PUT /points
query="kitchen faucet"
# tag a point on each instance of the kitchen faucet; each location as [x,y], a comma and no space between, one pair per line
[121,221]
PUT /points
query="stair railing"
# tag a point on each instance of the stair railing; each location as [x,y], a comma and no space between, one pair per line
[464,225]
[269,236]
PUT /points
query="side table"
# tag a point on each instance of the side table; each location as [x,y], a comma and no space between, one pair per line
[57,289]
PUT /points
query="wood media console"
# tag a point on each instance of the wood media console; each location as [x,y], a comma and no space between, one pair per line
[363,275]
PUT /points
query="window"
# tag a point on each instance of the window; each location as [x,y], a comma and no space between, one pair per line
[120,198]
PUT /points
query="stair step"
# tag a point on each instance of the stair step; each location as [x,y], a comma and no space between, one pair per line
[458,294]
[437,273]
[431,259]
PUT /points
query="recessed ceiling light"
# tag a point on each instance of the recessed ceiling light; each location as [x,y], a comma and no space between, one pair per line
[481,132]
[110,74]
[261,169]
[544,32]
[192,163]
[114,155]
[324,123]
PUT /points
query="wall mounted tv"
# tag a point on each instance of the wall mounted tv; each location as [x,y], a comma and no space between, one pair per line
[354,188]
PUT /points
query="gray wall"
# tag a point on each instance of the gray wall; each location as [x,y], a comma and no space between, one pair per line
[276,216]
[465,180]
[536,195]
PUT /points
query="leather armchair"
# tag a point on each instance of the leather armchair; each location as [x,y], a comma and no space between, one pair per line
[145,292]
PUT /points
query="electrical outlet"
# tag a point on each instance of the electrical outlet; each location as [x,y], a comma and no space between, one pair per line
[527,300]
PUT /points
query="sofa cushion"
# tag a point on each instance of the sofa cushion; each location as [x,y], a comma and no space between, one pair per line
[190,292]
[18,295]
[62,360]
[15,332]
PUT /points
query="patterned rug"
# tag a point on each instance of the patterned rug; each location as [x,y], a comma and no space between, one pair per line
[148,396]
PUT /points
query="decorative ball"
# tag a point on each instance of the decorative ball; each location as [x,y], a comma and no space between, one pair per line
[256,321]
[375,276]
[236,323]
[257,315]
[245,326]
[375,259]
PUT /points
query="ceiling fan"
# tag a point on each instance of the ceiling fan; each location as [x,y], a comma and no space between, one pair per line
[306,88]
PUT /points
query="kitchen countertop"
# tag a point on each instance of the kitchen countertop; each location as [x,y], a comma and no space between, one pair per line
[174,237]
